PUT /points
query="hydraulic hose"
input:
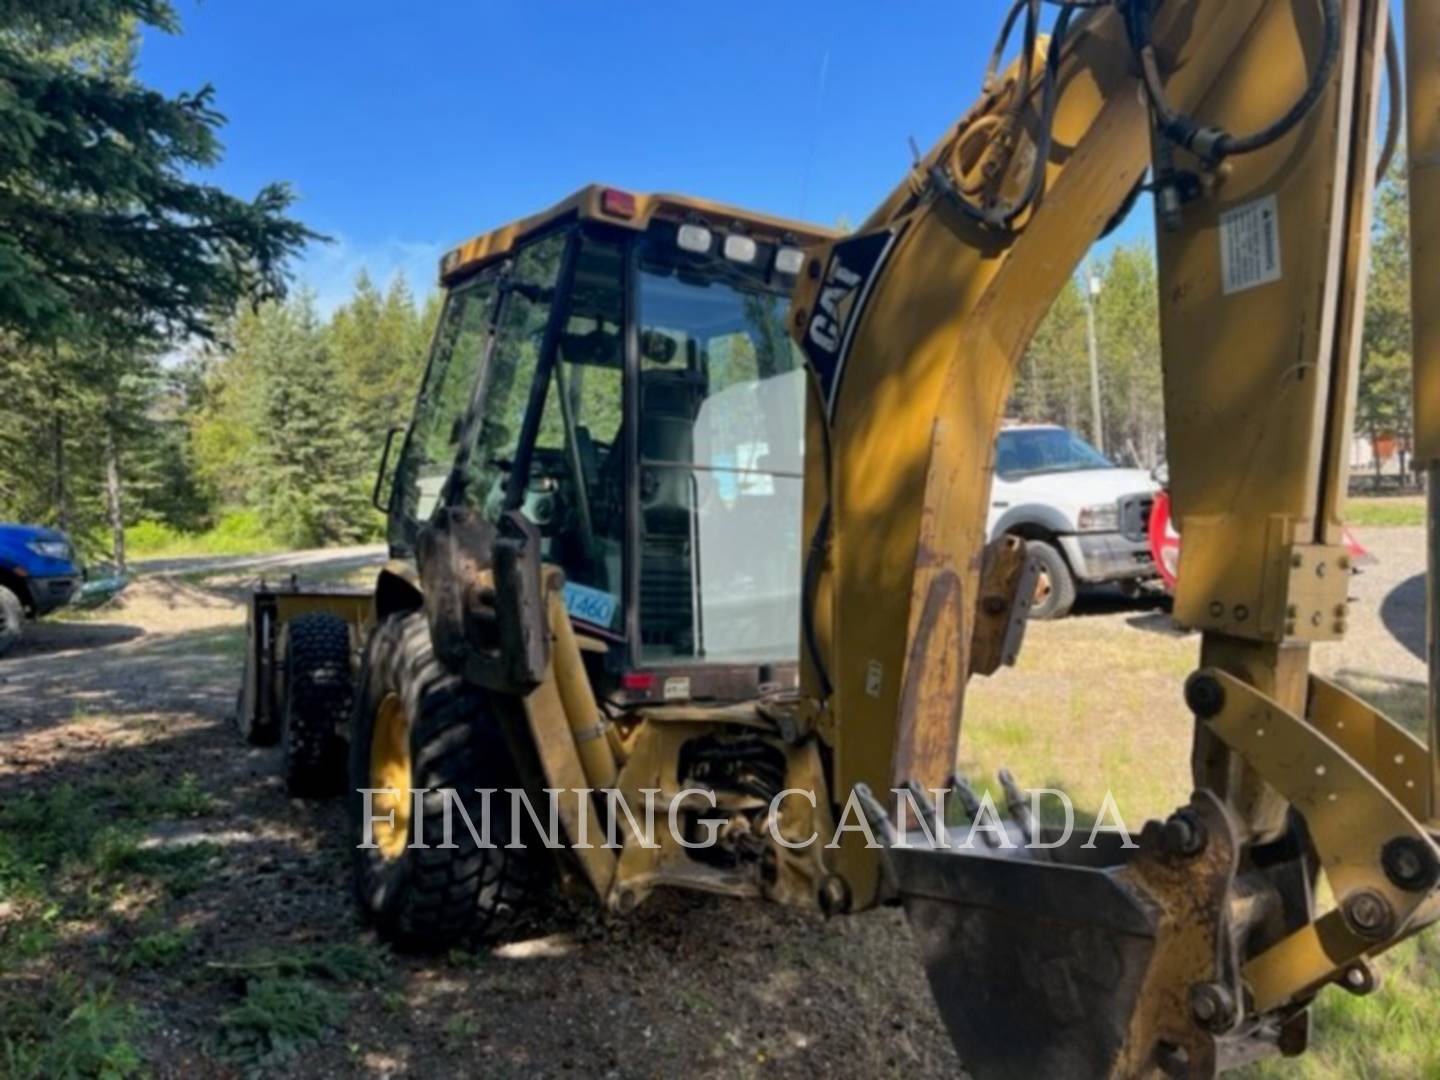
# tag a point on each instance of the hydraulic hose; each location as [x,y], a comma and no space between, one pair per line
[1396,105]
[1004,217]
[1214,143]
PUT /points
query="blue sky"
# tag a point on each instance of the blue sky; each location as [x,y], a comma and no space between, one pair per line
[407,127]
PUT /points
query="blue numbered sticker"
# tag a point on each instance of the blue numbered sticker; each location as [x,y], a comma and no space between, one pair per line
[595,607]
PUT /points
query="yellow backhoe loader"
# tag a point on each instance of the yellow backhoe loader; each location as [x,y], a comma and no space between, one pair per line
[692,513]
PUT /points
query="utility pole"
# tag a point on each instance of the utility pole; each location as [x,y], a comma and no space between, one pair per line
[1090,291]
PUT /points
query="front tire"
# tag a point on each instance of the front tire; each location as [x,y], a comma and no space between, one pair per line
[1055,585]
[418,725]
[319,698]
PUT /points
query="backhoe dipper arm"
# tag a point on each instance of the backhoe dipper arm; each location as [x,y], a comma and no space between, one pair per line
[1201,948]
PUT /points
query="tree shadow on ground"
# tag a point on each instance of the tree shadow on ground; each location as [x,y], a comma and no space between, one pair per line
[198,670]
[1403,613]
[1149,611]
[46,638]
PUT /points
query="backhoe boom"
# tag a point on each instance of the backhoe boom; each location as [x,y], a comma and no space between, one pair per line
[1201,948]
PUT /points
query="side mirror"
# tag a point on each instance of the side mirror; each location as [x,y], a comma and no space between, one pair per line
[385,479]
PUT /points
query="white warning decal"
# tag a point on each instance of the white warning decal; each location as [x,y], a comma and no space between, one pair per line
[874,678]
[1250,245]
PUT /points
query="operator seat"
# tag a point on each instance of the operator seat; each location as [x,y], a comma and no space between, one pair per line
[669,402]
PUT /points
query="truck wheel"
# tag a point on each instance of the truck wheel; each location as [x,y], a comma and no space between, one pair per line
[417,725]
[318,702]
[12,620]
[1054,585]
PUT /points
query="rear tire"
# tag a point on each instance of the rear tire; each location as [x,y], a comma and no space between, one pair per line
[12,620]
[319,697]
[415,717]
[1055,587]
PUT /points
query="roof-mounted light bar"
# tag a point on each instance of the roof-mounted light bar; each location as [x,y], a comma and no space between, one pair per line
[694,238]
[741,249]
[789,260]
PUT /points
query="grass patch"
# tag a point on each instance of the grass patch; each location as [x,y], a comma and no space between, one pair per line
[278,1017]
[1386,512]
[146,796]
[181,868]
[1392,1032]
[238,533]
[1090,708]
[155,951]
[68,1032]
[340,962]
[290,1000]
[66,853]
[38,834]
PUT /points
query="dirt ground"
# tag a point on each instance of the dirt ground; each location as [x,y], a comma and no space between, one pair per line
[141,696]
[231,895]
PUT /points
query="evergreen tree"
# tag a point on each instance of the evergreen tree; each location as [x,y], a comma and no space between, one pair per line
[1383,405]
[1127,325]
[310,463]
[102,228]
[380,345]
[1051,384]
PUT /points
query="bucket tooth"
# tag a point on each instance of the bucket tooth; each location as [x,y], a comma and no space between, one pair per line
[1018,805]
[968,799]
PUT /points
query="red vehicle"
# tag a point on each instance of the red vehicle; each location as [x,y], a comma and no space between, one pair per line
[1165,542]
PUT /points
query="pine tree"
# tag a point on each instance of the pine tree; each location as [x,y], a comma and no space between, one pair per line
[101,223]
[380,343]
[310,460]
[1127,321]
[1050,385]
[1383,405]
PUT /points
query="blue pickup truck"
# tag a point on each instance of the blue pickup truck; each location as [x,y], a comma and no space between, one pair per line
[38,573]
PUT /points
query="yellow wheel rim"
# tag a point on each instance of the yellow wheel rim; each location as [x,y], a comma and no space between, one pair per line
[390,772]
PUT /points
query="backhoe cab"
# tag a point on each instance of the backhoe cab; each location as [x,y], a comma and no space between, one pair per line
[617,370]
[595,582]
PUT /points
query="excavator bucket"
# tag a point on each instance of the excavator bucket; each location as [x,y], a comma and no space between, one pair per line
[1036,967]
[1081,958]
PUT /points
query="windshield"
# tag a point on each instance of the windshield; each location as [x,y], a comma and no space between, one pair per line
[467,358]
[492,438]
[1029,451]
[722,420]
[455,358]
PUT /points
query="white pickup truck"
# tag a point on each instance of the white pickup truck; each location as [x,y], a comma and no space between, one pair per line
[1082,516]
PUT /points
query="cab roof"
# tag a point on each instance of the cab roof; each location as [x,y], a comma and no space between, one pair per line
[629,210]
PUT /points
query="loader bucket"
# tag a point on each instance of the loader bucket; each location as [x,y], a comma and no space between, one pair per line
[1036,967]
